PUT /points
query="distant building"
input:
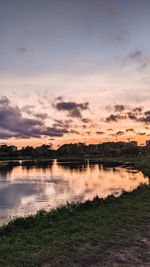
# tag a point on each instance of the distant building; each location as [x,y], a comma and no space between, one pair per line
[147,142]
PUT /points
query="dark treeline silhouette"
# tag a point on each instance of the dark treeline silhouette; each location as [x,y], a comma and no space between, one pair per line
[108,149]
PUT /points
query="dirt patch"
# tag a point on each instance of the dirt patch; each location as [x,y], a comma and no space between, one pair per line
[137,254]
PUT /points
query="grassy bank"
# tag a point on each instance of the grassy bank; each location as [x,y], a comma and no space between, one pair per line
[143,165]
[98,232]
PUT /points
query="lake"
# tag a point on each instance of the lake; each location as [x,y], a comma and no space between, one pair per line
[33,185]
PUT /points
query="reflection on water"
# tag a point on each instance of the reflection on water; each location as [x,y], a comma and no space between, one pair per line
[35,185]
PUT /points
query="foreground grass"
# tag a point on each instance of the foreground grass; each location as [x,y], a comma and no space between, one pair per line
[98,232]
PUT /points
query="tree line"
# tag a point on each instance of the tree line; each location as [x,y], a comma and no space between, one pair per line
[112,149]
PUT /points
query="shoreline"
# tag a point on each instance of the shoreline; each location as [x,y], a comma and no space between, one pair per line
[100,232]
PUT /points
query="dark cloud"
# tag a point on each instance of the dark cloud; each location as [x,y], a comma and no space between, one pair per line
[132,116]
[74,131]
[147,113]
[84,126]
[129,130]
[85,120]
[119,108]
[145,119]
[13,124]
[99,132]
[21,50]
[73,109]
[141,133]
[120,133]
[135,55]
[115,118]
[142,60]
[128,112]
[112,117]
[138,110]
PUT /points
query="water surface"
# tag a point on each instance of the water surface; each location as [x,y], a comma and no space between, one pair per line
[46,185]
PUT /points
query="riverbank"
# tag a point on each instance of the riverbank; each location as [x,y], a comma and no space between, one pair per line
[98,232]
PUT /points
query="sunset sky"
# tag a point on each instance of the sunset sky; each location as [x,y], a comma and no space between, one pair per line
[74,70]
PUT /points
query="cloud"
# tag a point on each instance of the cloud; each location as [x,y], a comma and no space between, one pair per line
[74,131]
[21,50]
[119,108]
[85,120]
[122,37]
[4,100]
[41,116]
[114,118]
[28,109]
[147,112]
[141,133]
[100,133]
[132,116]
[120,133]
[129,130]
[135,55]
[145,119]
[62,124]
[137,110]
[135,113]
[13,124]
[139,58]
[73,109]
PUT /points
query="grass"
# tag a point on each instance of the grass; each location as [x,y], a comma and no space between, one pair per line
[3,164]
[94,233]
[144,165]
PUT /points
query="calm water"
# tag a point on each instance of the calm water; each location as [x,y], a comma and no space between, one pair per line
[27,188]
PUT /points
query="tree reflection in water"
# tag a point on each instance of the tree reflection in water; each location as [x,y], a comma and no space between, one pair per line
[48,184]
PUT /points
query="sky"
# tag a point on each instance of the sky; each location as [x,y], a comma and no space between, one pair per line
[74,71]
